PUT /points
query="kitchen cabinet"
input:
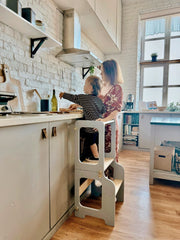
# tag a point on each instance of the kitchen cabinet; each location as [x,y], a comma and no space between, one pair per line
[106,11]
[145,130]
[36,178]
[71,159]
[92,3]
[118,24]
[100,21]
[24,182]
[120,123]
[109,13]
[61,167]
[145,127]
[163,129]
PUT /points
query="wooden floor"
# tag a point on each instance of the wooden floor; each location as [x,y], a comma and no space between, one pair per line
[148,212]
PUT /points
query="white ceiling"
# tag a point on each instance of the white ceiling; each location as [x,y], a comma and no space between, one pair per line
[79,5]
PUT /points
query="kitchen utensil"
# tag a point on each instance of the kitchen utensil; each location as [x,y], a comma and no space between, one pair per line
[2,77]
[36,91]
[4,98]
[67,110]
[44,103]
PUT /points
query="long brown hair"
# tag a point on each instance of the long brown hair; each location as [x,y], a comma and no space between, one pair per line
[113,71]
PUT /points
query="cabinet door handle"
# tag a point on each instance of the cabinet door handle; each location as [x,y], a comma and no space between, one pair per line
[44,133]
[54,133]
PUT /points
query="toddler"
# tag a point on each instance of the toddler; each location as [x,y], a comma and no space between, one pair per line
[93,108]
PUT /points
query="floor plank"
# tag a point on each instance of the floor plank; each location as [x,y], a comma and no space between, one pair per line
[147,213]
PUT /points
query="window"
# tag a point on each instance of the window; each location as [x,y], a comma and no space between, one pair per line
[160,80]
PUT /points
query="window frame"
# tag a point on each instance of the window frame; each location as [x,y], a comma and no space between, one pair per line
[165,62]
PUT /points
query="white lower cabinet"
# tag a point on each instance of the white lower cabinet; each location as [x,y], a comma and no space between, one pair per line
[144,130]
[145,127]
[24,182]
[120,123]
[58,170]
[36,178]
[71,161]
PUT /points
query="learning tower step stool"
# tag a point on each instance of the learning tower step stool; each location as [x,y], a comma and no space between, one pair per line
[112,190]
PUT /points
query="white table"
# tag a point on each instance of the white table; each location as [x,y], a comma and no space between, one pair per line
[163,129]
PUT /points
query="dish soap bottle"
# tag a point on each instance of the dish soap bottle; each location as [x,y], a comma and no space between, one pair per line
[54,105]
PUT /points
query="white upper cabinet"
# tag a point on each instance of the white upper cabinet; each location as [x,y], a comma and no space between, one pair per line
[119,24]
[107,12]
[92,3]
[100,21]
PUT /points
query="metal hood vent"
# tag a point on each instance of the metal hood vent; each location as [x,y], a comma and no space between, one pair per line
[72,52]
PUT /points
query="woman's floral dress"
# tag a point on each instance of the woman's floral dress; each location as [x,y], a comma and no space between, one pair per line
[113,102]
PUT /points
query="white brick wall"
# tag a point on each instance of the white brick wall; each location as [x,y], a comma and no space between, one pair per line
[130,19]
[45,71]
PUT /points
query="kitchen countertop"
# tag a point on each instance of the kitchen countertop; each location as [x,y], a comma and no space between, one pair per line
[13,120]
[165,121]
[151,111]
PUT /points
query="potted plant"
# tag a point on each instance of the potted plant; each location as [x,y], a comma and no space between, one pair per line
[91,70]
[154,57]
[174,107]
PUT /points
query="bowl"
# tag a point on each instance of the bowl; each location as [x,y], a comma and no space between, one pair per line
[161,108]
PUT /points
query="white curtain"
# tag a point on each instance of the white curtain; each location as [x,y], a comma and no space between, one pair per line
[158,26]
[175,24]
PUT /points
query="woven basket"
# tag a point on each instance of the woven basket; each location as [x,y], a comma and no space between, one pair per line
[177,163]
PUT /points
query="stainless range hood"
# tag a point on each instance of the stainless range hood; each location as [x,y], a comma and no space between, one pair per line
[72,52]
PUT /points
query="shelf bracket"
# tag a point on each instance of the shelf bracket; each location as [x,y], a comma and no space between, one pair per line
[35,49]
[83,71]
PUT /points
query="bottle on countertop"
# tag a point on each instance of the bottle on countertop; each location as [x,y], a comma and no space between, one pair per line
[54,103]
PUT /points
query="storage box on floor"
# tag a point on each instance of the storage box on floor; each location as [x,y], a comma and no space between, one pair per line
[163,158]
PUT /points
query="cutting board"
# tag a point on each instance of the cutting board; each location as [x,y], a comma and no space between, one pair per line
[11,85]
[2,77]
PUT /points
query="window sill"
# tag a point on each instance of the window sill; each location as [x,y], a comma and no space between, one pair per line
[160,62]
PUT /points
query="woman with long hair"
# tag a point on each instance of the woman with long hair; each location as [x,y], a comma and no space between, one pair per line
[111,94]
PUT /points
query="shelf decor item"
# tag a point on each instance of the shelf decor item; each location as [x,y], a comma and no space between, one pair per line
[161,108]
[40,25]
[14,5]
[29,15]
[154,57]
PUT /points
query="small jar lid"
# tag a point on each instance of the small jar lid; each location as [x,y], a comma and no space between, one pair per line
[39,23]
